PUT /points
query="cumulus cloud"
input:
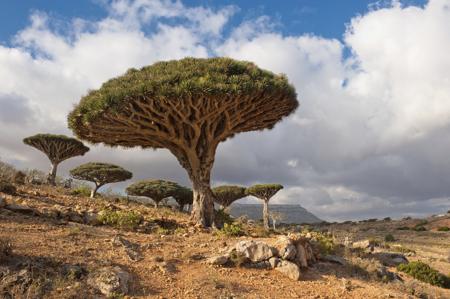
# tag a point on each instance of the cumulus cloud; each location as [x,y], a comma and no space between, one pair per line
[370,138]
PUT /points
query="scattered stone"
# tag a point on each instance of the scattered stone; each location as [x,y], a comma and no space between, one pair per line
[132,250]
[256,251]
[274,261]
[110,281]
[286,249]
[166,267]
[289,269]
[334,259]
[158,259]
[218,260]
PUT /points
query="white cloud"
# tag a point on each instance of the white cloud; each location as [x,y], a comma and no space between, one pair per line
[370,135]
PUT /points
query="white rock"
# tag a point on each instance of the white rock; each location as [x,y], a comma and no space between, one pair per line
[289,269]
[256,251]
[110,281]
[286,249]
[300,257]
[274,261]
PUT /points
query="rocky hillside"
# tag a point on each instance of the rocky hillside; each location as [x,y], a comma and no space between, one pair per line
[56,245]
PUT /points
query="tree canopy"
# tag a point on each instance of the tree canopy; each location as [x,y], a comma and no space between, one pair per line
[264,191]
[227,194]
[183,196]
[57,148]
[157,190]
[100,174]
[187,106]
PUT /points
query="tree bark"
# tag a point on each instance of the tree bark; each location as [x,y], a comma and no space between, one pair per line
[94,191]
[266,214]
[52,175]
[203,205]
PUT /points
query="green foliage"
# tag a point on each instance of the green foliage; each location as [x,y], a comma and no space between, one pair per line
[443,229]
[7,187]
[157,190]
[120,219]
[419,228]
[389,238]
[222,217]
[233,230]
[183,196]
[100,173]
[46,143]
[263,191]
[323,242]
[425,273]
[403,228]
[176,79]
[82,191]
[227,194]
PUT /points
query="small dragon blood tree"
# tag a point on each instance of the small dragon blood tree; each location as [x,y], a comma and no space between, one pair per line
[57,148]
[157,190]
[226,195]
[183,197]
[264,192]
[100,174]
[187,106]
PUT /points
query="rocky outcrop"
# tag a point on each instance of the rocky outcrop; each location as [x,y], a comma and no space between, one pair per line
[286,248]
[289,269]
[255,251]
[110,281]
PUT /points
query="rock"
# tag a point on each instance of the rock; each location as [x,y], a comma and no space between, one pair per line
[334,259]
[259,265]
[256,251]
[132,250]
[274,261]
[91,218]
[300,256]
[2,202]
[218,260]
[167,267]
[286,249]
[391,259]
[289,269]
[20,209]
[110,281]
[49,213]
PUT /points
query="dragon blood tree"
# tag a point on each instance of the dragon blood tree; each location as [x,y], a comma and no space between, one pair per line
[183,197]
[187,106]
[157,190]
[100,174]
[57,148]
[264,192]
[226,195]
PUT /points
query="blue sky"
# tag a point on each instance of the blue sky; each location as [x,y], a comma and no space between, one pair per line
[375,146]
[327,18]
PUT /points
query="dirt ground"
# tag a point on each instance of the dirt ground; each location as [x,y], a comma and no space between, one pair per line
[55,244]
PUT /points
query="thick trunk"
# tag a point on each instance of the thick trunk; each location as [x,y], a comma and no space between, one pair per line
[203,205]
[273,224]
[94,191]
[266,214]
[52,175]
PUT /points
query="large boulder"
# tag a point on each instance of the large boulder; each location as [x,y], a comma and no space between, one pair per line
[289,269]
[255,251]
[286,248]
[110,281]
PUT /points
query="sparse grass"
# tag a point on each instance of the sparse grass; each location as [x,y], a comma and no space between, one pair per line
[419,228]
[120,219]
[82,190]
[425,273]
[443,229]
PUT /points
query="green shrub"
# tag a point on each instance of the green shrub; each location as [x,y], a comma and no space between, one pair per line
[7,188]
[389,238]
[403,228]
[81,190]
[324,243]
[425,273]
[419,228]
[222,217]
[443,229]
[232,230]
[120,219]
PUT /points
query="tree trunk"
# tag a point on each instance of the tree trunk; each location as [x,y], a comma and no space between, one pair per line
[266,214]
[52,175]
[203,205]
[94,191]
[274,225]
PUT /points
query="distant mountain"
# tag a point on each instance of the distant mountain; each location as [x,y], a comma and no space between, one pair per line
[292,213]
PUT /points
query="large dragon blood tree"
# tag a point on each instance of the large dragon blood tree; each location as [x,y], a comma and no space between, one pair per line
[100,174]
[225,195]
[157,190]
[264,192]
[187,106]
[57,148]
